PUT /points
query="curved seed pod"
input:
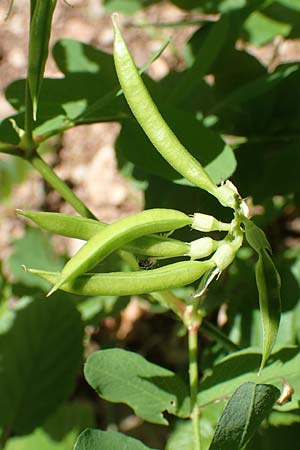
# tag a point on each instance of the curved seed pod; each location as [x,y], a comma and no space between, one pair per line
[116,235]
[131,283]
[83,228]
[150,119]
[40,29]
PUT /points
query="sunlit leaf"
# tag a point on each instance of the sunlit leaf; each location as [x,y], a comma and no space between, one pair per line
[125,377]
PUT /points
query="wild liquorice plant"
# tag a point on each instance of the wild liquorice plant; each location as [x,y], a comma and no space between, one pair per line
[121,376]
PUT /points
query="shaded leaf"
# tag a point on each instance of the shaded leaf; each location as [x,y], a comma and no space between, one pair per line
[206,146]
[12,171]
[243,414]
[32,383]
[268,285]
[275,438]
[7,132]
[240,367]
[107,440]
[94,309]
[60,430]
[181,436]
[255,236]
[42,256]
[120,376]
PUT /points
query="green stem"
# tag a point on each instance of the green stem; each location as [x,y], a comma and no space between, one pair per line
[193,329]
[5,433]
[215,333]
[28,142]
[167,299]
[50,176]
[11,149]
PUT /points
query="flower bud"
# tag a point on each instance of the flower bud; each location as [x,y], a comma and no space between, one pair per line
[206,223]
[227,196]
[224,255]
[200,248]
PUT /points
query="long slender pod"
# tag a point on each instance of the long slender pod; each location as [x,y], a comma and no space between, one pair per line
[83,228]
[131,283]
[116,235]
[156,128]
[40,29]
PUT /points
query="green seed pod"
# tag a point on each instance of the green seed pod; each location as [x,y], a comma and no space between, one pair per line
[83,228]
[207,223]
[40,29]
[118,234]
[203,247]
[131,283]
[150,119]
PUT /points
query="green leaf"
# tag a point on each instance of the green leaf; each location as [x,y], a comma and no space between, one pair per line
[43,256]
[255,236]
[84,92]
[242,366]
[203,60]
[208,6]
[127,6]
[292,4]
[206,146]
[120,376]
[268,284]
[107,440]
[276,438]
[244,412]
[8,133]
[261,29]
[94,309]
[181,436]
[284,418]
[40,348]
[60,431]
[13,171]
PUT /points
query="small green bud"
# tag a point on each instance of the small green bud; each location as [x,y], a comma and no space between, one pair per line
[226,253]
[206,223]
[200,248]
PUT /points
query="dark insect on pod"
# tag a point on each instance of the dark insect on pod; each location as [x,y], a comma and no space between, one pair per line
[147,263]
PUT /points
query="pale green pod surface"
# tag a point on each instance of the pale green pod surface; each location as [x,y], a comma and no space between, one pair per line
[65,224]
[150,119]
[131,283]
[83,228]
[116,235]
[158,246]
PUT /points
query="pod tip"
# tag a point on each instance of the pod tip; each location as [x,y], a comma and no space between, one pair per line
[53,289]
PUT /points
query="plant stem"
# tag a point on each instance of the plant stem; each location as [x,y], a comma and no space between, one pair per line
[28,142]
[60,186]
[193,329]
[214,333]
